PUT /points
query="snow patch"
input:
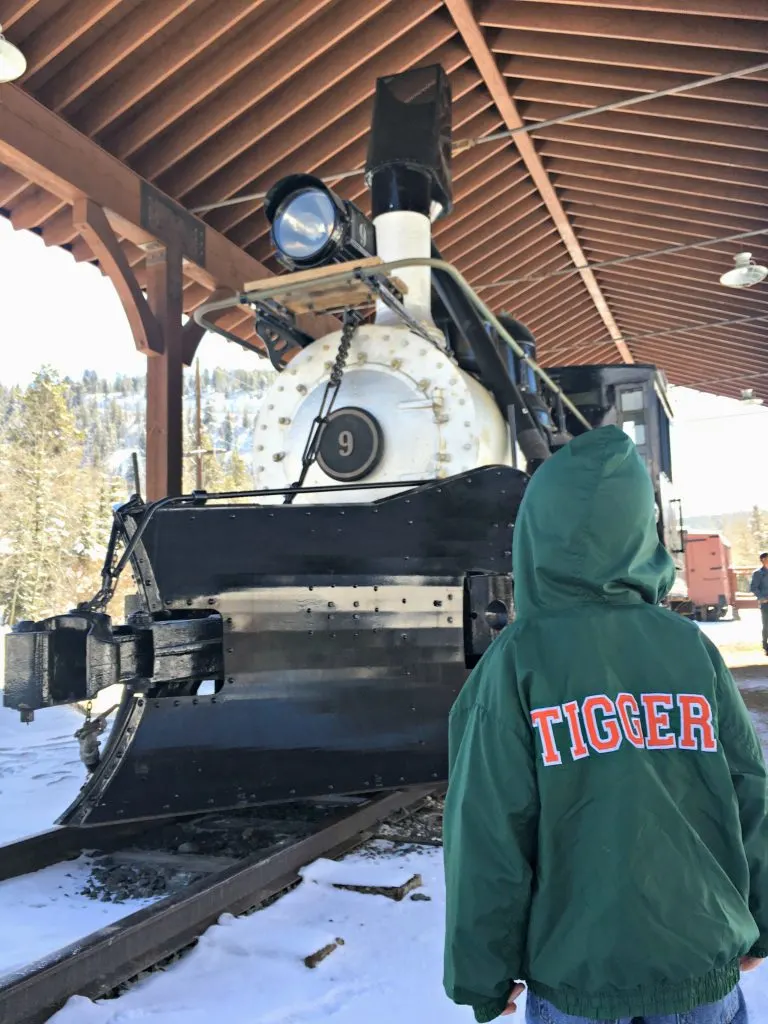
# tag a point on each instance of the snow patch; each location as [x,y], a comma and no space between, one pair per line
[389,873]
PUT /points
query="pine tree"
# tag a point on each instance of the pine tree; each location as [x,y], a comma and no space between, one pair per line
[238,475]
[228,432]
[41,503]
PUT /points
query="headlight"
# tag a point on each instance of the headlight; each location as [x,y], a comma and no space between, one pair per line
[304,224]
[312,226]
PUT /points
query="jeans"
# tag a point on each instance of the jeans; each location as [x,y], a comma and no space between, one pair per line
[764,611]
[731,1010]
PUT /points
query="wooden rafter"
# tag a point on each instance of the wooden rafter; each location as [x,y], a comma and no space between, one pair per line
[474,39]
[52,154]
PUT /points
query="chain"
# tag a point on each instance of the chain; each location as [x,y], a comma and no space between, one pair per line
[109,578]
[326,405]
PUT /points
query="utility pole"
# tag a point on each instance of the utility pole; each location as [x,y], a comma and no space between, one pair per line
[198,430]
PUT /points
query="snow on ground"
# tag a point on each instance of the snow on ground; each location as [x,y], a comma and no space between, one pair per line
[40,769]
[250,970]
[44,911]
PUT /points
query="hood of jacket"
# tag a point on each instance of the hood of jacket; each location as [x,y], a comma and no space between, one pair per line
[586,530]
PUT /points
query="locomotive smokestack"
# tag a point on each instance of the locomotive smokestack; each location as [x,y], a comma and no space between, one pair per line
[409,173]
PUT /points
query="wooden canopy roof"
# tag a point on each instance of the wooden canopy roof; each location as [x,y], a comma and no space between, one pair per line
[207,99]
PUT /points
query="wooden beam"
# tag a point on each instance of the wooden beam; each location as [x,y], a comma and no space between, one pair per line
[706,8]
[691,170]
[258,143]
[34,208]
[165,376]
[212,101]
[461,12]
[122,40]
[697,60]
[159,62]
[633,80]
[91,221]
[57,33]
[42,147]
[637,26]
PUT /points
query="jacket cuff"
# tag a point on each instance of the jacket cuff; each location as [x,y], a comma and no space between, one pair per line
[485,1012]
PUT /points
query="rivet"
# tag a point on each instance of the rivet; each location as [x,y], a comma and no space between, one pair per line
[284,420]
[278,456]
[301,388]
[259,447]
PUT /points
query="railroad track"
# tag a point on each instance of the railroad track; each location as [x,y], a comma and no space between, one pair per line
[104,960]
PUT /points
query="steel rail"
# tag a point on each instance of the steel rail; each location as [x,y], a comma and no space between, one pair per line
[96,964]
[41,850]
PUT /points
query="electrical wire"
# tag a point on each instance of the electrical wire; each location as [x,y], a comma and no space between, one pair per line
[462,145]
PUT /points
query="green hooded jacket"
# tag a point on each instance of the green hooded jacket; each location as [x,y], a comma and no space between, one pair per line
[606,822]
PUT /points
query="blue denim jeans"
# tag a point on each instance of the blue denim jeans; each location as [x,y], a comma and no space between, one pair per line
[731,1010]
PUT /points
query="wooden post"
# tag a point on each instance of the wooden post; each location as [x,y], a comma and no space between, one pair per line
[165,376]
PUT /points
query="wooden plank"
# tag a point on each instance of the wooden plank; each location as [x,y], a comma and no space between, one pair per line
[658,55]
[315,274]
[638,26]
[315,290]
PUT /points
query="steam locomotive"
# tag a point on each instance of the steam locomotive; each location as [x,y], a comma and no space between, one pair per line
[340,604]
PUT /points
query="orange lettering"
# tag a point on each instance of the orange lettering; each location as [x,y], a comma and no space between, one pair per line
[579,748]
[611,735]
[629,716]
[696,714]
[656,720]
[544,719]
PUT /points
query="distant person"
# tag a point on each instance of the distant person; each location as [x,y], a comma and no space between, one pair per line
[606,821]
[759,587]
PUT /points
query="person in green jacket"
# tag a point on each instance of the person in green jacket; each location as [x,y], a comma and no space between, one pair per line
[606,821]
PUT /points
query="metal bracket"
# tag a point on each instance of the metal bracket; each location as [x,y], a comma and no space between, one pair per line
[171,223]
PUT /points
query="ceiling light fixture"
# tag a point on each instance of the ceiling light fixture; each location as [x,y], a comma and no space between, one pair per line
[745,274]
[13,63]
[748,397]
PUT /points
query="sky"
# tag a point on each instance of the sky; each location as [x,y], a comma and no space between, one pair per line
[69,316]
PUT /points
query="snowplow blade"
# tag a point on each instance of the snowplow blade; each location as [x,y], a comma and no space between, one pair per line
[338,637]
